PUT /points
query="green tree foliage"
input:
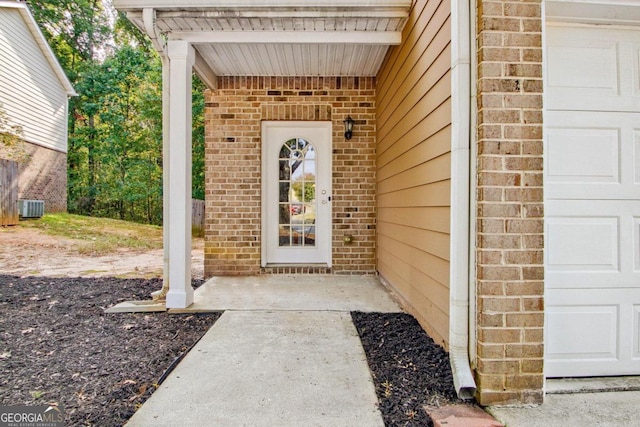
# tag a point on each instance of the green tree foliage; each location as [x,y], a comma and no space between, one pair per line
[197,164]
[115,124]
[77,30]
[305,189]
[116,139]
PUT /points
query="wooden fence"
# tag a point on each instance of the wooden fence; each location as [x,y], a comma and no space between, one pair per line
[197,217]
[8,192]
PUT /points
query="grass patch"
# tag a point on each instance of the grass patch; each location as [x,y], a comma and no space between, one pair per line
[99,235]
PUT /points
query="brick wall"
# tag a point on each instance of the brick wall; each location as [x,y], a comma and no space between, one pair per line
[43,176]
[233,118]
[510,272]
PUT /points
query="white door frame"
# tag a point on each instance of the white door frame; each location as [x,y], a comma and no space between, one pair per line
[313,131]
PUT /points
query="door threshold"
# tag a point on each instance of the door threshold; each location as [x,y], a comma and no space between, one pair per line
[284,265]
[296,269]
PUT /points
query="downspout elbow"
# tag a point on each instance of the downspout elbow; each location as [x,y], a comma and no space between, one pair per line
[463,380]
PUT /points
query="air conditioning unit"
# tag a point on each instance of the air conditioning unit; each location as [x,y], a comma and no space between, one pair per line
[31,208]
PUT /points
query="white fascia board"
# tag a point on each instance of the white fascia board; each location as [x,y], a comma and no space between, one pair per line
[286,13]
[42,42]
[229,4]
[290,37]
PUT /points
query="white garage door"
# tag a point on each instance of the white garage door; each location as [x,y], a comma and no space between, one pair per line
[592,201]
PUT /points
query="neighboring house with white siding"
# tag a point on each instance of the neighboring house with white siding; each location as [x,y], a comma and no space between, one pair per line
[34,93]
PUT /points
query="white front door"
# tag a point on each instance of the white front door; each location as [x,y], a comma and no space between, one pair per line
[296,184]
[592,201]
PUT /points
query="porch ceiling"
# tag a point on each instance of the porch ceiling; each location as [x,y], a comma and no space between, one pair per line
[276,37]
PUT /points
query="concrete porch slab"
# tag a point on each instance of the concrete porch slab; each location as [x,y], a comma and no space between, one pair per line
[269,368]
[293,292]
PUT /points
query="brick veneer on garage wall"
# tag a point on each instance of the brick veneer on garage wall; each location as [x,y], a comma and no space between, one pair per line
[510,272]
[43,176]
[233,119]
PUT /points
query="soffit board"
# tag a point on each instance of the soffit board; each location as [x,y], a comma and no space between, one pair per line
[310,40]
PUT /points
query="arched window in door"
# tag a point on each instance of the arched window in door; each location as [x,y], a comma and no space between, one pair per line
[297,195]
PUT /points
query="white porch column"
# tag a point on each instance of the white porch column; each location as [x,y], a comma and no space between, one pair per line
[181,59]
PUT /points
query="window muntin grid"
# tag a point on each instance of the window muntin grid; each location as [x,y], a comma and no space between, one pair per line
[297,199]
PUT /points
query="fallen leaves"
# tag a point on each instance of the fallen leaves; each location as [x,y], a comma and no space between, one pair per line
[141,391]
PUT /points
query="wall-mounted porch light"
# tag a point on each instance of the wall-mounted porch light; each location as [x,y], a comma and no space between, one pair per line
[348,128]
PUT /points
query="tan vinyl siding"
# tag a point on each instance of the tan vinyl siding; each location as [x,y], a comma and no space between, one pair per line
[414,166]
[30,91]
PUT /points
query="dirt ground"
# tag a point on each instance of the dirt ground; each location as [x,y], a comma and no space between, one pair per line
[30,252]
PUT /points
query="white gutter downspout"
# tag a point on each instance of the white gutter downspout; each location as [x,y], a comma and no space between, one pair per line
[461,97]
[149,19]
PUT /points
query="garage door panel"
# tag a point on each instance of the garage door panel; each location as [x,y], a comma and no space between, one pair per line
[601,343]
[593,340]
[635,63]
[584,155]
[592,155]
[592,244]
[636,332]
[636,244]
[578,155]
[636,157]
[570,58]
[592,69]
[583,244]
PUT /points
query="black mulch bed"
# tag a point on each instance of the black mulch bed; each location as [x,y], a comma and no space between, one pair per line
[409,369]
[58,346]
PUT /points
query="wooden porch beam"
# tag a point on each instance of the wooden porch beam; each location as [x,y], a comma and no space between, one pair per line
[204,71]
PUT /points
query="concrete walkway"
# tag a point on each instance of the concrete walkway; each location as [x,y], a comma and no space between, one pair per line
[284,353]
